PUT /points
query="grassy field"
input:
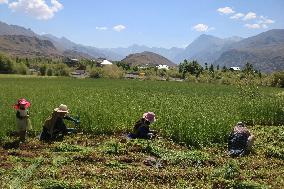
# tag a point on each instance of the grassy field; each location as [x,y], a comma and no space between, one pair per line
[193,114]
[193,123]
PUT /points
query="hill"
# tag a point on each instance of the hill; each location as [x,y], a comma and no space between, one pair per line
[147,58]
[265,51]
[206,48]
[19,45]
[6,29]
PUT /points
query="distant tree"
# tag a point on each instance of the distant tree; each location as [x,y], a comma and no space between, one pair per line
[135,68]
[248,69]
[123,65]
[42,69]
[49,72]
[211,69]
[224,69]
[192,68]
[218,67]
[206,66]
[156,70]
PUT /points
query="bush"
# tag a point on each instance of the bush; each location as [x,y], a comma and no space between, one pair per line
[96,72]
[42,69]
[174,73]
[112,71]
[6,64]
[49,72]
[21,68]
[61,70]
[278,79]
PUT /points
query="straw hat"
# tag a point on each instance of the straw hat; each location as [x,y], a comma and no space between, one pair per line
[62,108]
[149,116]
[240,124]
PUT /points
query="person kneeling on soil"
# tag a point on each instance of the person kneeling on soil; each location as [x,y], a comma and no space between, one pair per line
[54,127]
[141,128]
[22,115]
[240,140]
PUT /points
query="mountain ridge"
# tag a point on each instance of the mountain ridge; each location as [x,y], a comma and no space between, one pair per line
[264,50]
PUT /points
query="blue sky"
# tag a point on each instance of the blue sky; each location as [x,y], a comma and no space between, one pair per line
[159,23]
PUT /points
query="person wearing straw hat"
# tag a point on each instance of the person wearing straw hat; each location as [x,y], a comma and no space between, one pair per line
[240,140]
[22,116]
[54,127]
[142,127]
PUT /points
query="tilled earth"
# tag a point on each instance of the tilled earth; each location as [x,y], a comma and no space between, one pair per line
[87,161]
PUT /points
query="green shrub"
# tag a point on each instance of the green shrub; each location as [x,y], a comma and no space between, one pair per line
[112,72]
[70,148]
[61,70]
[278,79]
[6,64]
[49,72]
[21,68]
[96,72]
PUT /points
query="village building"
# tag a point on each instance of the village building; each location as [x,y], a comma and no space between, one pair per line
[105,63]
[235,68]
[163,66]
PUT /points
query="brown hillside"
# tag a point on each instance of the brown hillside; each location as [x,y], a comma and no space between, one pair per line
[19,45]
[147,58]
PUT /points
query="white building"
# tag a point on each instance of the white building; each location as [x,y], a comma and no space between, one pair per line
[235,69]
[166,67]
[106,62]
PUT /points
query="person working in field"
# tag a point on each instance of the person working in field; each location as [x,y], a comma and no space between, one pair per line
[142,127]
[22,115]
[54,127]
[240,140]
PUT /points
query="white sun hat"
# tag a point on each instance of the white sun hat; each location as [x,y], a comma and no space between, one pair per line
[61,108]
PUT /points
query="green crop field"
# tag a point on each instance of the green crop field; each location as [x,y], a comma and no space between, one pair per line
[193,121]
[194,114]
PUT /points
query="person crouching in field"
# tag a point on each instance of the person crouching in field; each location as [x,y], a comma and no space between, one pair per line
[142,127]
[54,127]
[240,140]
[22,116]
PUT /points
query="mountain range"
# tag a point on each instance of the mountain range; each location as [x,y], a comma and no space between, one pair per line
[265,50]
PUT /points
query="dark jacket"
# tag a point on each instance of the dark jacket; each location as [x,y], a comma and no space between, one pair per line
[141,129]
[57,128]
[237,142]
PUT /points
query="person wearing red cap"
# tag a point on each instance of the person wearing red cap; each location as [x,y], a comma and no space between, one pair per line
[22,116]
[142,127]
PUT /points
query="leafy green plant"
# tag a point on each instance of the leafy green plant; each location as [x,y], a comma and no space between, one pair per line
[70,148]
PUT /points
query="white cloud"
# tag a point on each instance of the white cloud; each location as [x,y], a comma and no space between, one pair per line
[237,16]
[253,26]
[201,28]
[262,23]
[226,10]
[3,1]
[264,26]
[119,28]
[264,20]
[249,16]
[36,8]
[101,28]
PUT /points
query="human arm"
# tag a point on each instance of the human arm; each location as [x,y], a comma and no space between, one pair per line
[70,118]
